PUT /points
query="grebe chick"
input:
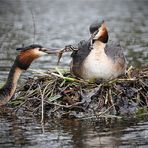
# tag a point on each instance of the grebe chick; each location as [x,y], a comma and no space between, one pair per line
[21,63]
[98,58]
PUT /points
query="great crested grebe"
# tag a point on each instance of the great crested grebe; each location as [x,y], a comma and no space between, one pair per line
[97,58]
[21,63]
[80,53]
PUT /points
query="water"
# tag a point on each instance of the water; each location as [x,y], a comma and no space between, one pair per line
[73,134]
[62,22]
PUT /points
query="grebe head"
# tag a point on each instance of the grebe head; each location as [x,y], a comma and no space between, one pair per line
[94,26]
[101,34]
[30,53]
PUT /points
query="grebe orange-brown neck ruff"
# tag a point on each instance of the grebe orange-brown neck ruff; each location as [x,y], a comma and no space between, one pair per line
[102,59]
[21,63]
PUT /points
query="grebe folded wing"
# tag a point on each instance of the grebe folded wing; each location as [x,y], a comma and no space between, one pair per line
[114,51]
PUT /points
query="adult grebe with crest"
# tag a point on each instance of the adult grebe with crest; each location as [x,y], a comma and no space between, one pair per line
[22,62]
[97,58]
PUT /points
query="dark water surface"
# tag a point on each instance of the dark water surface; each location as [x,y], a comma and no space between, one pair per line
[73,133]
[62,22]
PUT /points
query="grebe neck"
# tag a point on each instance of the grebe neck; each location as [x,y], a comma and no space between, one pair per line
[7,91]
[99,45]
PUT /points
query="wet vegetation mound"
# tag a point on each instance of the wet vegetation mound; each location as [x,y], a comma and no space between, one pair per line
[57,94]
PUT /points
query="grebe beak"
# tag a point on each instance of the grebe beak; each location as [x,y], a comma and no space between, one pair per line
[50,51]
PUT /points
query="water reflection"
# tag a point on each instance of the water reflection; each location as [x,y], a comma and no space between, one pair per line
[27,132]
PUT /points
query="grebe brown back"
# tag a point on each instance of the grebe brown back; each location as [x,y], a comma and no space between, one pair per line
[21,63]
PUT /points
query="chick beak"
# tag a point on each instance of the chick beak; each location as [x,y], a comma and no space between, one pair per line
[50,51]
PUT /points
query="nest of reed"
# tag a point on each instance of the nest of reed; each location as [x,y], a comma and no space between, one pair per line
[59,95]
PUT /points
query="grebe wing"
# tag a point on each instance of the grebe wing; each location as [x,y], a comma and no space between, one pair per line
[83,50]
[114,51]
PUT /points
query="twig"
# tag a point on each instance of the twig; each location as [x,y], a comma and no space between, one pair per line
[34,29]
[42,102]
[100,113]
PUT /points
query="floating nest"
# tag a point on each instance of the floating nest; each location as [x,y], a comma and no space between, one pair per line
[57,94]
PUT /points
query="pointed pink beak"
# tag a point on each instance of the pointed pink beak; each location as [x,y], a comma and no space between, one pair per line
[50,50]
